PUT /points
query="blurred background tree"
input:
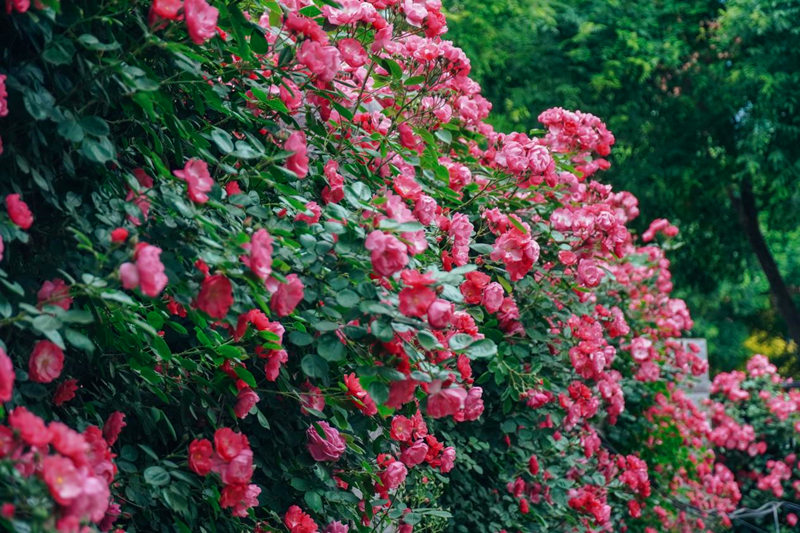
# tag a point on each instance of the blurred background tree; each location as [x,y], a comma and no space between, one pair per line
[702,97]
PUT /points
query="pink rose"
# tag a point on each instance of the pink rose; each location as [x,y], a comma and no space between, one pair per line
[6,377]
[328,448]
[240,469]
[62,479]
[473,405]
[228,443]
[589,273]
[46,362]
[113,426]
[440,313]
[336,527]
[393,475]
[260,258]
[201,20]
[195,173]
[322,60]
[18,211]
[240,498]
[152,279]
[517,250]
[448,459]
[216,296]
[245,401]
[55,292]
[414,301]
[167,9]
[493,297]
[352,52]
[414,454]
[287,296]
[389,255]
[200,453]
[445,402]
[298,161]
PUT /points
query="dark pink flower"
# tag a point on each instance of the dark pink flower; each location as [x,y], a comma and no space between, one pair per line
[389,255]
[322,60]
[299,522]
[287,296]
[240,498]
[46,362]
[414,301]
[6,377]
[216,296]
[229,443]
[448,459]
[18,211]
[55,292]
[327,448]
[167,9]
[62,478]
[113,426]
[65,392]
[200,453]
[393,475]
[445,402]
[119,235]
[239,470]
[152,279]
[493,297]
[201,20]
[195,173]
[352,52]
[260,258]
[31,428]
[440,313]
[298,161]
[245,401]
[414,454]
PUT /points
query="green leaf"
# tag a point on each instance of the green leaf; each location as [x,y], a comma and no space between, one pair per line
[330,348]
[95,126]
[481,349]
[222,139]
[59,51]
[313,500]
[460,341]
[70,130]
[79,340]
[314,366]
[99,151]
[347,298]
[258,43]
[246,376]
[45,323]
[156,476]
[379,391]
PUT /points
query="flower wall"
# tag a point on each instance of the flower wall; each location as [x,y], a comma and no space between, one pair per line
[266,268]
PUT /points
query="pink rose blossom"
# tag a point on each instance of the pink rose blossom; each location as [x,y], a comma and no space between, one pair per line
[18,211]
[287,296]
[440,313]
[55,292]
[6,377]
[216,296]
[327,448]
[201,20]
[195,174]
[260,258]
[493,297]
[46,362]
[298,161]
[389,255]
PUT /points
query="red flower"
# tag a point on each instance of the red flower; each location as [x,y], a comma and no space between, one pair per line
[167,9]
[298,161]
[401,428]
[62,478]
[55,292]
[245,401]
[114,424]
[360,397]
[18,211]
[414,454]
[195,173]
[31,428]
[201,20]
[119,235]
[328,448]
[473,286]
[46,362]
[6,377]
[147,273]
[299,522]
[200,453]
[440,313]
[517,250]
[240,497]
[287,296]
[240,469]
[389,255]
[445,402]
[260,258]
[229,443]
[216,296]
[65,392]
[414,301]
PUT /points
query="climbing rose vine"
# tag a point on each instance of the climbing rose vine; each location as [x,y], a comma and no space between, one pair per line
[265,267]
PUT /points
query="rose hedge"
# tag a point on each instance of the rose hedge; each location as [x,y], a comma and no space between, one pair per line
[756,432]
[264,267]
